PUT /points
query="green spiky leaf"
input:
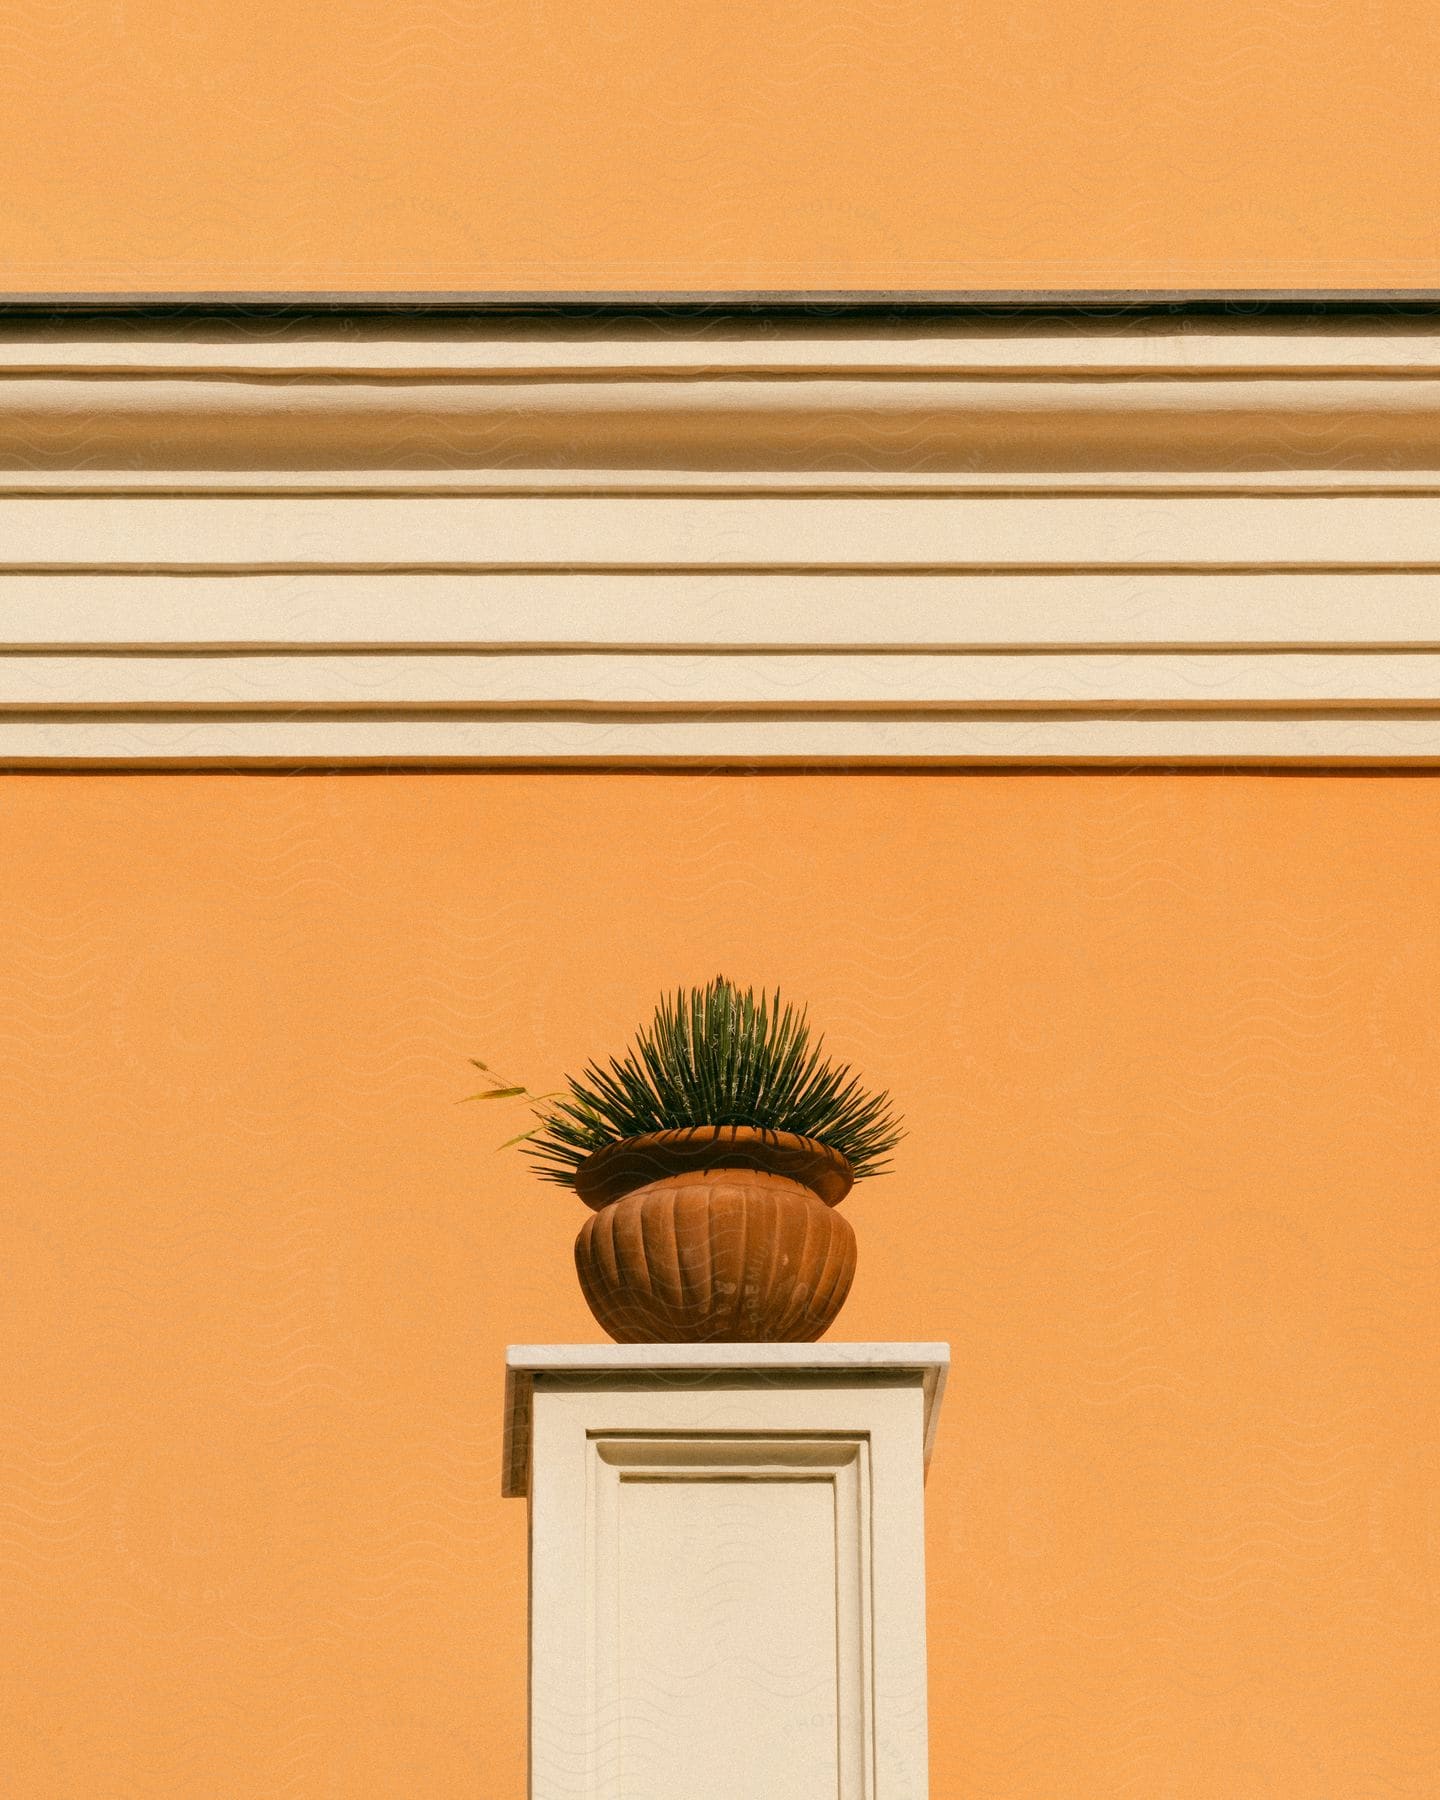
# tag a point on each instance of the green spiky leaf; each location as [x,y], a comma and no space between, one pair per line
[717,1056]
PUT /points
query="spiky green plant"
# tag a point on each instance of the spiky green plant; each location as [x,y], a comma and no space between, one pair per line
[715,1056]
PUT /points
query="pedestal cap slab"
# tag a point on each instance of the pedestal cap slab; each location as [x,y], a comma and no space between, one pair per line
[680,1364]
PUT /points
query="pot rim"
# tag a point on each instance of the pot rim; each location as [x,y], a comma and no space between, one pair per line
[617,1169]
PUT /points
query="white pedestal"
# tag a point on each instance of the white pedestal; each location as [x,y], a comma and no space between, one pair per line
[727,1576]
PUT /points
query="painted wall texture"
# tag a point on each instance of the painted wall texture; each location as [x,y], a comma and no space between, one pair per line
[1169,1053]
[181,144]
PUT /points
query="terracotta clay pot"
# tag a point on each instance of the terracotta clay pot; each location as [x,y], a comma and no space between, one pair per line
[718,1234]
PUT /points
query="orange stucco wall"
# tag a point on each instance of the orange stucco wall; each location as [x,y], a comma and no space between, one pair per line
[184,144]
[1169,1053]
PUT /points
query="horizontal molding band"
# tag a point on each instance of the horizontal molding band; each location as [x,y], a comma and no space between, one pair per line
[684,532]
[796,684]
[817,423]
[792,395]
[557,347]
[721,611]
[727,742]
[645,484]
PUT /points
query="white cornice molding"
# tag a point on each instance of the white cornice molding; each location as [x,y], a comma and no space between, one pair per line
[708,539]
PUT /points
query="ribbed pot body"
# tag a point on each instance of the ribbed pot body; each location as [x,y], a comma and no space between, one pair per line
[716,1256]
